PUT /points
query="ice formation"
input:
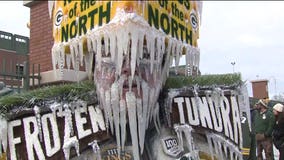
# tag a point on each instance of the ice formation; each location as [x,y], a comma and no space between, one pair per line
[96,149]
[38,120]
[222,148]
[143,49]
[186,130]
[116,45]
[3,135]
[68,143]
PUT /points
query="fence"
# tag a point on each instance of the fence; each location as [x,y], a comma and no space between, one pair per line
[17,75]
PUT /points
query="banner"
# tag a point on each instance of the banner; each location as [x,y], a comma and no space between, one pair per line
[178,19]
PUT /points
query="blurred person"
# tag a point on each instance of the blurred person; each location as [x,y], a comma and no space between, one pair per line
[278,130]
[264,121]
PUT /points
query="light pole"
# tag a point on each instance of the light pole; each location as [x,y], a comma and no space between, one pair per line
[233,64]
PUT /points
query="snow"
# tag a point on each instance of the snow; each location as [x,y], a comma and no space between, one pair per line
[3,135]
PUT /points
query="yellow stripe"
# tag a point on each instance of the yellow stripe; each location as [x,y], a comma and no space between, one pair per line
[245,151]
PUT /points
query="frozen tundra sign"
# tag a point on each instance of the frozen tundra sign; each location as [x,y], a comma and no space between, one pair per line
[218,115]
[179,19]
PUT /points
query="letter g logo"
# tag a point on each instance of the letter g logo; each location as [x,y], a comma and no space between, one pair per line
[58,17]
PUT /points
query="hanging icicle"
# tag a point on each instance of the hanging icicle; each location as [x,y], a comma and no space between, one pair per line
[131,107]
[38,121]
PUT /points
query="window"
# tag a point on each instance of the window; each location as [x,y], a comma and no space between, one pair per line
[19,70]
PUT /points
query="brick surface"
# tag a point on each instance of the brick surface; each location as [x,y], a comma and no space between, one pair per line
[41,39]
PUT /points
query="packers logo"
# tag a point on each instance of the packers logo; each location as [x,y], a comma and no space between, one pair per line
[193,20]
[58,17]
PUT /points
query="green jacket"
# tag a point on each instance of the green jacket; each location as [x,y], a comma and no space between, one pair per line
[264,122]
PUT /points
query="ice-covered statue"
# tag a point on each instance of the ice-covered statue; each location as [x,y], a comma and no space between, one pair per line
[131,57]
[127,49]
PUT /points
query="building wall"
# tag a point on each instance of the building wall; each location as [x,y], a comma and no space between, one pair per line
[9,60]
[41,39]
[14,50]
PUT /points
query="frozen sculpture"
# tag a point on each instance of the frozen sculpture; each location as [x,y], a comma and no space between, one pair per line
[127,47]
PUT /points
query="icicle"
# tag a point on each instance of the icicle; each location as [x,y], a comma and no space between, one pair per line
[131,107]
[61,60]
[108,109]
[122,118]
[99,52]
[115,109]
[72,142]
[101,95]
[68,118]
[187,60]
[68,61]
[157,118]
[38,120]
[106,43]
[140,47]
[120,83]
[168,109]
[186,129]
[130,83]
[73,56]
[151,51]
[150,106]
[134,42]
[145,102]
[220,141]
[112,45]
[209,140]
[198,58]
[89,42]
[81,50]
[178,54]
[96,149]
[54,55]
[3,135]
[120,57]
[89,63]
[165,70]
[141,126]
[93,42]
[220,150]
[138,83]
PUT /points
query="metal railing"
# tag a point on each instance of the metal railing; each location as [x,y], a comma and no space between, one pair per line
[17,75]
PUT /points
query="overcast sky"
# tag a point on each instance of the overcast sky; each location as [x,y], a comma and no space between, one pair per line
[248,33]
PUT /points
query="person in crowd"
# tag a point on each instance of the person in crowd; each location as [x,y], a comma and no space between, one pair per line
[264,122]
[278,130]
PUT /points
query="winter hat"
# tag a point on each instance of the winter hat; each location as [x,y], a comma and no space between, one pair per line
[278,107]
[262,103]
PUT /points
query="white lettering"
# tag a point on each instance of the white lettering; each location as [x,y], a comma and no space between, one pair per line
[192,112]
[193,116]
[225,109]
[80,121]
[204,113]
[12,140]
[179,101]
[236,121]
[55,134]
[32,141]
[217,125]
[97,119]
